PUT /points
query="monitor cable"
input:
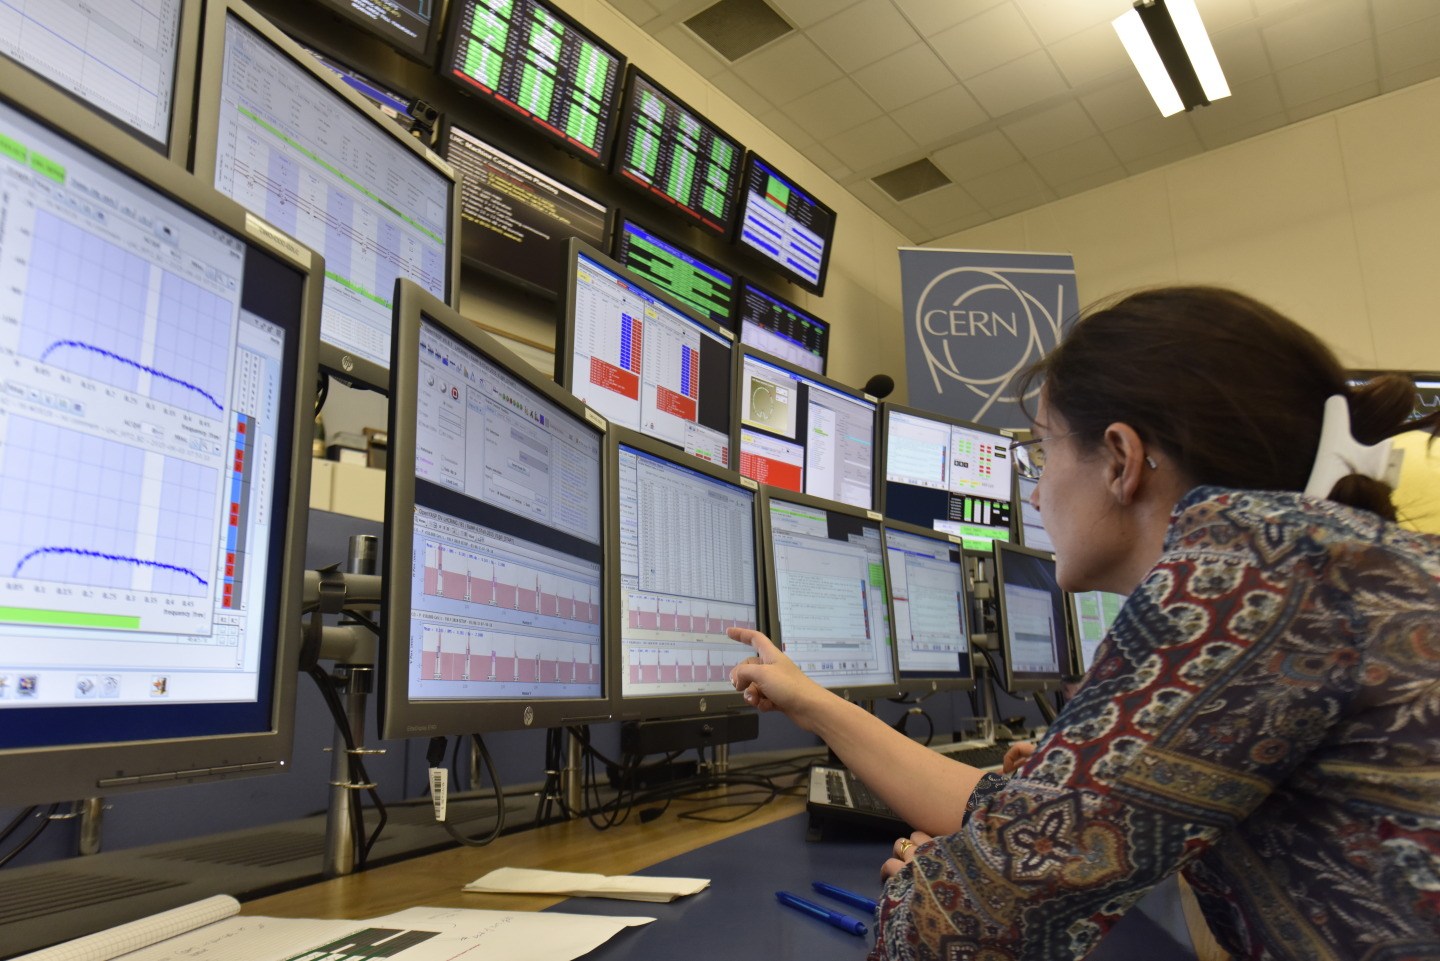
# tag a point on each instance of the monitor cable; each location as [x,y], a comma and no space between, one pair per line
[436,754]
[26,841]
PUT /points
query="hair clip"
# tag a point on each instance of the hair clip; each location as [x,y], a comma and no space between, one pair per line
[1340,454]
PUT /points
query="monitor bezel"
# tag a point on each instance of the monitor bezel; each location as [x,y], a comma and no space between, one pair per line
[624,118]
[491,100]
[624,216]
[737,235]
[921,682]
[399,716]
[443,143]
[357,371]
[744,351]
[59,772]
[659,706]
[892,688]
[789,305]
[423,52]
[1018,510]
[565,329]
[883,456]
[182,105]
[1011,682]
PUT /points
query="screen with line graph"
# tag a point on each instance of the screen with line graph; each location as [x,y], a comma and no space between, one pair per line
[121,57]
[148,358]
[291,143]
[785,224]
[494,573]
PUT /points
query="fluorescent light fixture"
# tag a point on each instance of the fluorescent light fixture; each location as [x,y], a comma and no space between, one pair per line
[1170,48]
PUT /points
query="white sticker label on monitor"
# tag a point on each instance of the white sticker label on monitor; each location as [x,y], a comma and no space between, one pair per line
[273,238]
[748,482]
[873,515]
[596,419]
[439,790]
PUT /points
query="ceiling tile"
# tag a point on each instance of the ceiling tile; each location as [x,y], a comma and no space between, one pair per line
[875,145]
[834,107]
[1050,129]
[1119,104]
[1090,55]
[1315,29]
[1164,157]
[786,129]
[1242,54]
[905,77]
[941,116]
[1017,85]
[1145,138]
[741,92]
[1090,181]
[1398,13]
[1057,19]
[977,156]
[932,16]
[639,11]
[864,33]
[694,51]
[880,202]
[803,13]
[1334,101]
[1221,136]
[982,43]
[1247,103]
[1005,208]
[937,208]
[1081,159]
[1426,71]
[1221,15]
[821,156]
[1417,43]
[1339,70]
[787,69]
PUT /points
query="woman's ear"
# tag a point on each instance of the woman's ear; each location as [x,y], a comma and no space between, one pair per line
[1125,462]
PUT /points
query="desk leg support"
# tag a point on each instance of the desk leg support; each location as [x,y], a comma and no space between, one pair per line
[571,779]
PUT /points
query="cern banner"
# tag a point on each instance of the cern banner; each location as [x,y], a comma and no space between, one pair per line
[974,320]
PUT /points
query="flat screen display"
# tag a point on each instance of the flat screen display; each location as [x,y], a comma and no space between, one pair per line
[1093,613]
[1032,619]
[505,567]
[539,66]
[931,605]
[697,283]
[676,156]
[118,56]
[830,594]
[779,328]
[687,574]
[513,218]
[948,475]
[1032,527]
[803,433]
[410,26]
[785,224]
[645,364]
[336,175]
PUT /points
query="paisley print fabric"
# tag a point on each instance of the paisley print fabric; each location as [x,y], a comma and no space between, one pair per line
[1264,716]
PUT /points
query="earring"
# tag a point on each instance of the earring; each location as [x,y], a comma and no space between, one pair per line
[1150,462]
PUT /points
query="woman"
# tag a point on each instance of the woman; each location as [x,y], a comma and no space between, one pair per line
[1265,714]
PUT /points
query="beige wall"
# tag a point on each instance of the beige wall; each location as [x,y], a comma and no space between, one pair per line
[1335,221]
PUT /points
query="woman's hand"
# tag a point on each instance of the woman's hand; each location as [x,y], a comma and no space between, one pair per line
[1018,754]
[904,853]
[770,681]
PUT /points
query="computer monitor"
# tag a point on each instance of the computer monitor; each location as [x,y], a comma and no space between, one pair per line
[1031,526]
[1092,613]
[686,533]
[946,473]
[931,607]
[130,61]
[827,601]
[634,356]
[785,224]
[802,432]
[536,64]
[675,156]
[410,26]
[771,323]
[514,219]
[392,103]
[703,286]
[1034,648]
[157,414]
[295,145]
[494,560]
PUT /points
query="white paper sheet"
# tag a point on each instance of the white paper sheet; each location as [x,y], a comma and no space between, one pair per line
[123,938]
[625,887]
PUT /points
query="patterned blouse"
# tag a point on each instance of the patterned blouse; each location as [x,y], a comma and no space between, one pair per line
[1264,716]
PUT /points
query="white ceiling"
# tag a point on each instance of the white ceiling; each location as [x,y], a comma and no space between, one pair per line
[1021,102]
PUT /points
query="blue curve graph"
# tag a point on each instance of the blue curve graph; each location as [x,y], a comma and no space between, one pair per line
[101,555]
[133,363]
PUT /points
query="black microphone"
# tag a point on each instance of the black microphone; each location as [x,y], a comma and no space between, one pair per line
[879,386]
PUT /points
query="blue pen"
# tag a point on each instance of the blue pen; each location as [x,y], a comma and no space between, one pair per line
[842,921]
[849,897]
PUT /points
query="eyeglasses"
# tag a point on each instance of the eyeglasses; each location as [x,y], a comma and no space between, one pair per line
[1028,456]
